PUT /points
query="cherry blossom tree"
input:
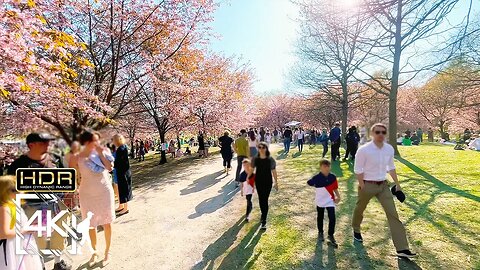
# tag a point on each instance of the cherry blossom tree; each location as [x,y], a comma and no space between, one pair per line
[221,89]
[37,78]
[275,110]
[73,64]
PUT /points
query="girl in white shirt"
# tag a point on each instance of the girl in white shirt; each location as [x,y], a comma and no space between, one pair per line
[247,188]
[268,138]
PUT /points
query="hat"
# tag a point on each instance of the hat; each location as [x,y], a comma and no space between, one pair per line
[399,194]
[39,137]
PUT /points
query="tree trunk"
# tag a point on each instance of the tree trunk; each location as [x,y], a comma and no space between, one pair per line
[392,121]
[344,118]
[163,156]
[441,127]
[392,106]
[344,106]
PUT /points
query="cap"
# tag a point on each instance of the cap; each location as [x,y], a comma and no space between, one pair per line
[399,194]
[39,137]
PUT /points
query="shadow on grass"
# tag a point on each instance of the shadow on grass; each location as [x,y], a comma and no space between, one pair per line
[211,205]
[282,155]
[318,262]
[219,247]
[238,257]
[406,264]
[203,183]
[441,185]
[297,154]
[438,221]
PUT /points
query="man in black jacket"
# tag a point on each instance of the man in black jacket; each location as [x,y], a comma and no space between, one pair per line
[352,140]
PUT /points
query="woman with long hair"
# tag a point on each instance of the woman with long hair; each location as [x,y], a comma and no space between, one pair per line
[123,173]
[252,144]
[265,179]
[113,149]
[93,165]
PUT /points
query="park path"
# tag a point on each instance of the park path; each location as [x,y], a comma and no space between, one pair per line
[173,218]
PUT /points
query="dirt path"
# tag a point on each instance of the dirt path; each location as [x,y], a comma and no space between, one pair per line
[173,218]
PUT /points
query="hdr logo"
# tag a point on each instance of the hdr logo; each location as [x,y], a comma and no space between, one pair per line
[46,179]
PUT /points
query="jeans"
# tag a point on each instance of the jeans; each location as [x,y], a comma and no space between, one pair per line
[300,145]
[325,149]
[331,219]
[239,166]
[286,144]
[249,203]
[336,149]
[263,194]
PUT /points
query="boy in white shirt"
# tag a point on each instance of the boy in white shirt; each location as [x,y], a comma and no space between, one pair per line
[326,196]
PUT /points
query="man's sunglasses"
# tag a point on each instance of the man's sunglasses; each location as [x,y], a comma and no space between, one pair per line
[381,132]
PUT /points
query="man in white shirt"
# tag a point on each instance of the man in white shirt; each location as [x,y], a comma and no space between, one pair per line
[372,162]
[301,139]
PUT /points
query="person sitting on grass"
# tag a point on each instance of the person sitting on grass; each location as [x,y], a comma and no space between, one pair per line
[415,139]
[399,139]
[326,196]
[247,185]
[407,141]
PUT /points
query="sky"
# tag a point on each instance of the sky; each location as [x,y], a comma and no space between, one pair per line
[264,33]
[261,32]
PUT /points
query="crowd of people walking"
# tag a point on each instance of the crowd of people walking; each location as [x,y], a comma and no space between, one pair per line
[372,162]
[104,177]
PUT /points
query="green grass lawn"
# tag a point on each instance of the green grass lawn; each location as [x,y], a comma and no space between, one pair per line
[441,214]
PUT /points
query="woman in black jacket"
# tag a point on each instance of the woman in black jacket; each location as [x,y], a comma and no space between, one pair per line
[124,176]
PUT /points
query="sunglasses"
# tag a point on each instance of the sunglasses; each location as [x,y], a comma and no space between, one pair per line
[381,132]
[261,147]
